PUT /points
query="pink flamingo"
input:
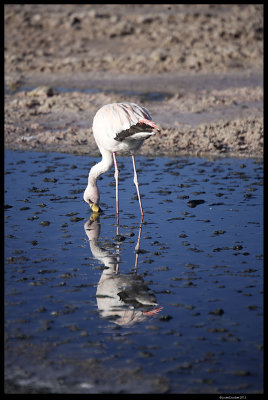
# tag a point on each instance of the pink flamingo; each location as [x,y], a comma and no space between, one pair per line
[117,127]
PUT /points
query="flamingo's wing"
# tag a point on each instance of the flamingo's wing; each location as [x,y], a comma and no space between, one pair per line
[139,127]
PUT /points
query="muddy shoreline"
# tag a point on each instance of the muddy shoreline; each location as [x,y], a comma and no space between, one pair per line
[203,121]
[197,68]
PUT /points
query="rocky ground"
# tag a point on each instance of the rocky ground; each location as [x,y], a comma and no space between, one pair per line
[197,68]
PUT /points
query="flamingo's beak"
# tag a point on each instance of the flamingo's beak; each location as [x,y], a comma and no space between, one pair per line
[95,208]
[94,217]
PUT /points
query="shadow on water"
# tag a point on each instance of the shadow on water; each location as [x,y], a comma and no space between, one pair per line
[122,298]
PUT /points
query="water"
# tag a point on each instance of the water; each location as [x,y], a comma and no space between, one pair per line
[144,95]
[198,266]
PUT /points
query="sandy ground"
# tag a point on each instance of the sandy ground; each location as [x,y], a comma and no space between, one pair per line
[197,68]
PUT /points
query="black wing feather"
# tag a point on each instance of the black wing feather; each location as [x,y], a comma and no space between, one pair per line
[132,130]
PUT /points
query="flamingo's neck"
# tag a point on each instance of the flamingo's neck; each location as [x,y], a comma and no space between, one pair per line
[103,166]
[91,194]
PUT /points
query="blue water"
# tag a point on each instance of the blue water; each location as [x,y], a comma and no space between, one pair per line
[200,256]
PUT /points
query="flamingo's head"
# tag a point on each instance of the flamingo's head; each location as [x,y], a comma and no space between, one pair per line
[91,196]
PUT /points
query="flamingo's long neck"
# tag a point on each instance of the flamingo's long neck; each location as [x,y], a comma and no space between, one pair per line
[92,192]
[103,166]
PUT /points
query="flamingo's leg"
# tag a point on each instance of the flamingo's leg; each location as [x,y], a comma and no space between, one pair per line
[116,175]
[137,184]
[137,248]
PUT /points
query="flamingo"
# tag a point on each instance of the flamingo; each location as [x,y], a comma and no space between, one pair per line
[117,127]
[123,297]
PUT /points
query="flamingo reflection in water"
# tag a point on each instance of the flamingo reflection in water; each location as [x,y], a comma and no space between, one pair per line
[123,298]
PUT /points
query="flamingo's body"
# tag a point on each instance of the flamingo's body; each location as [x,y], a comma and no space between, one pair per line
[117,127]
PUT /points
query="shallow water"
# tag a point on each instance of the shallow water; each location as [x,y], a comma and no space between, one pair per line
[198,268]
[144,95]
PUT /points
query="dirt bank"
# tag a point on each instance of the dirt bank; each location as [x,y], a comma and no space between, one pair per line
[197,68]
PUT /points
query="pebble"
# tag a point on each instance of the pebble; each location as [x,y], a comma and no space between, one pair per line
[44,223]
[218,311]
